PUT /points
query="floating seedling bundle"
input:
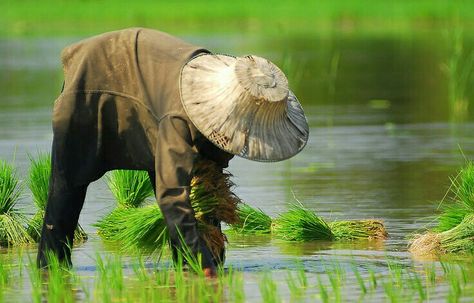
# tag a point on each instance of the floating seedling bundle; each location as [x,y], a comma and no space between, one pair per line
[138,225]
[301,224]
[12,222]
[39,175]
[454,232]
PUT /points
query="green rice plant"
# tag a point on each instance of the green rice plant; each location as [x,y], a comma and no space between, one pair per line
[110,278]
[57,285]
[5,279]
[359,279]
[323,293]
[297,283]
[235,280]
[459,70]
[12,222]
[372,279]
[38,182]
[268,289]
[301,224]
[251,221]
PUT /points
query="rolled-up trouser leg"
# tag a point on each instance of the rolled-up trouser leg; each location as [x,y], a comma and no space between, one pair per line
[182,225]
[62,213]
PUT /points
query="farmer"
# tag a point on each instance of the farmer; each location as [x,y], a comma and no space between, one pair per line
[142,99]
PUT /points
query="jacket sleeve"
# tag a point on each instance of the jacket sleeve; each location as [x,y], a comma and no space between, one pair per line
[174,162]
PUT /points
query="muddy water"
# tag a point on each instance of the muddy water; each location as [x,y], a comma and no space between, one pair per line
[382,142]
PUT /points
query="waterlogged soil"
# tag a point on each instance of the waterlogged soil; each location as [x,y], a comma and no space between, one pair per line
[382,145]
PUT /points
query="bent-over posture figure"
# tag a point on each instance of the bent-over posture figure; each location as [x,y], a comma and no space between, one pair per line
[142,99]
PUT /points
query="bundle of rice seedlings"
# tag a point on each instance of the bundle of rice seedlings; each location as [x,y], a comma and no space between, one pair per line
[358,229]
[251,221]
[455,230]
[300,224]
[211,198]
[211,194]
[12,222]
[459,199]
[130,187]
[141,229]
[39,175]
[457,239]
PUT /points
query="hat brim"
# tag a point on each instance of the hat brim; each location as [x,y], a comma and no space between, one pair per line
[225,114]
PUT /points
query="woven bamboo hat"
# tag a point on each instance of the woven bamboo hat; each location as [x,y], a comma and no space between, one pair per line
[243,105]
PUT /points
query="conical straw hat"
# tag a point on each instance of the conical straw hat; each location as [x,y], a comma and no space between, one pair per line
[243,105]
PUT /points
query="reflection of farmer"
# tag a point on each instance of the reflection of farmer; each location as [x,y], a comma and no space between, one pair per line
[141,99]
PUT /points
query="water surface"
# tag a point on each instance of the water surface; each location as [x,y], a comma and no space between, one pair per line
[382,141]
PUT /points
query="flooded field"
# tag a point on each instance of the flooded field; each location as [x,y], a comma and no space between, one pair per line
[384,141]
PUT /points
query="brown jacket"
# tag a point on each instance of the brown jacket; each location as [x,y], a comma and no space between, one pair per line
[120,109]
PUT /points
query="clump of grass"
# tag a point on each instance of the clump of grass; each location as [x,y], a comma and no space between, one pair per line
[455,230]
[12,222]
[251,221]
[39,176]
[300,224]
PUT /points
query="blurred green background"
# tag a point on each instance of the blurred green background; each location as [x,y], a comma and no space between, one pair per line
[84,17]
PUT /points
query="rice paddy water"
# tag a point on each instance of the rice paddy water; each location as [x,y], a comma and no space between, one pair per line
[389,108]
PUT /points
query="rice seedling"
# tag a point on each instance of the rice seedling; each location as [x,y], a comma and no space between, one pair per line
[300,224]
[251,221]
[110,277]
[38,182]
[297,283]
[12,222]
[359,279]
[235,280]
[459,72]
[323,293]
[268,289]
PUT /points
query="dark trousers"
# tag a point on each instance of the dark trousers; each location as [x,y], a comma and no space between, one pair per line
[65,202]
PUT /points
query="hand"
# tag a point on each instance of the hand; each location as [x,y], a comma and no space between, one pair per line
[210,272]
